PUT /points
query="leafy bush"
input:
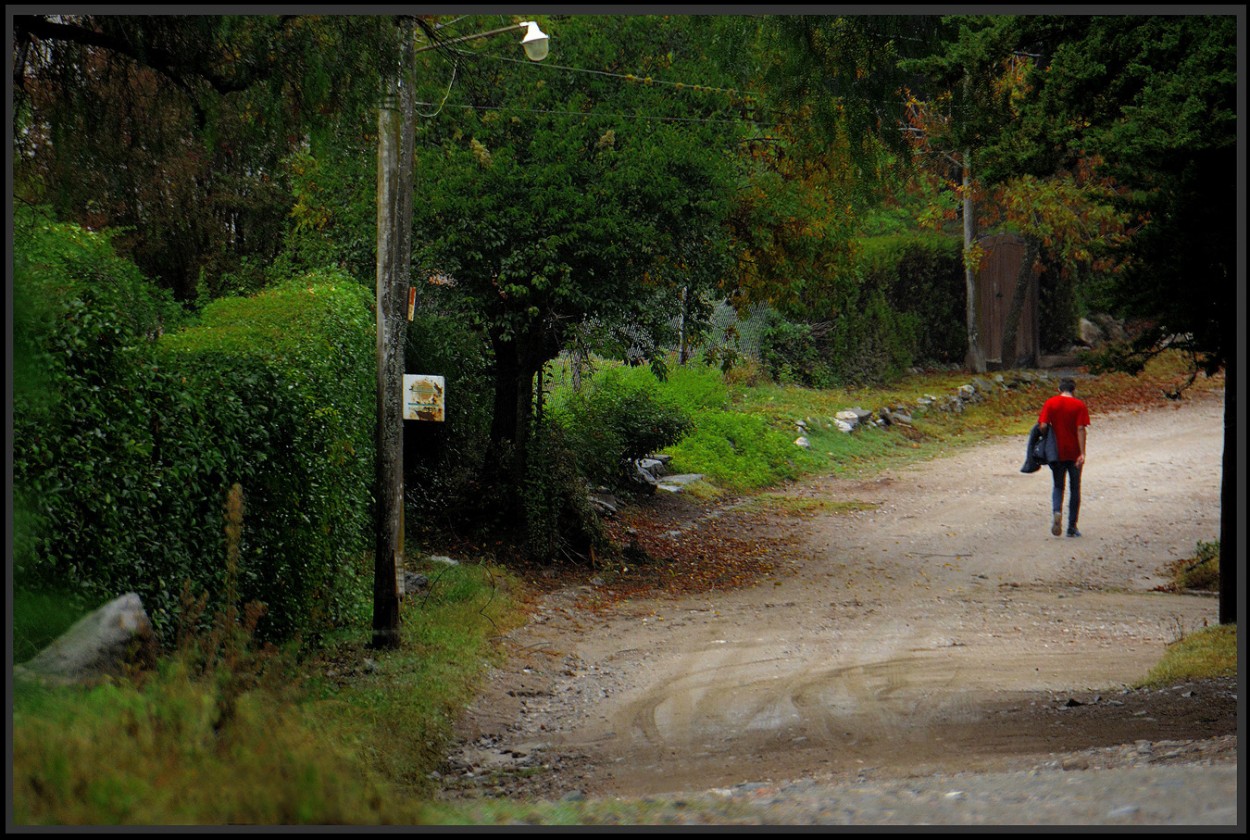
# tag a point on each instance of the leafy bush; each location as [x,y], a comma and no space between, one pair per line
[280,396]
[85,424]
[738,451]
[617,418]
[792,355]
[921,277]
[901,303]
[876,346]
[590,436]
[125,440]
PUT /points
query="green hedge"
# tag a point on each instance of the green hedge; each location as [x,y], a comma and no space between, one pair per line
[125,440]
[281,389]
[85,492]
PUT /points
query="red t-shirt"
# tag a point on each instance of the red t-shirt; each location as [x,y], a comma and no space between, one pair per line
[1064,414]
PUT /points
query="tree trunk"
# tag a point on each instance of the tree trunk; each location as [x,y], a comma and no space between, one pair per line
[511,419]
[394,214]
[1025,279]
[975,360]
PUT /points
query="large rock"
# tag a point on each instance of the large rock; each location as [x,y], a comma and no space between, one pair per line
[1092,335]
[102,643]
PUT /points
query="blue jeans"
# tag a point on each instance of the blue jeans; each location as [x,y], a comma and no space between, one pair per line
[1059,470]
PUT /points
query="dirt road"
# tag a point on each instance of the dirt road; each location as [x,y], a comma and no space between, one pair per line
[939,629]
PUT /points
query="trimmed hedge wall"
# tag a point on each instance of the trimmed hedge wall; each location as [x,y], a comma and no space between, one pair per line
[125,441]
[281,389]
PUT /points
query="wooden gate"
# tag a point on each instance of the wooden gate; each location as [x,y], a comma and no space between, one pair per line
[996,287]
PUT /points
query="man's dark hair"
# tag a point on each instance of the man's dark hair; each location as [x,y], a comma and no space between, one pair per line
[1068,385]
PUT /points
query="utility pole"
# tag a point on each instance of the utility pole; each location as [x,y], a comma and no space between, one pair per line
[975,359]
[396,135]
[394,244]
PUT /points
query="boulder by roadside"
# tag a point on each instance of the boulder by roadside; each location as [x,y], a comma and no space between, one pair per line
[103,643]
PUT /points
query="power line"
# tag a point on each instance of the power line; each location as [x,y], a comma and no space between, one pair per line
[513,108]
[650,80]
[629,77]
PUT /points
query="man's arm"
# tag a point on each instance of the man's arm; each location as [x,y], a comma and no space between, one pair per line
[1080,437]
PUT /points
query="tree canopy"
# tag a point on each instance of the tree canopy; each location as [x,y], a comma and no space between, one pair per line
[174,128]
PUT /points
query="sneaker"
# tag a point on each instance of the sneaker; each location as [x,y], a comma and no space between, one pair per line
[1072,532]
[1056,526]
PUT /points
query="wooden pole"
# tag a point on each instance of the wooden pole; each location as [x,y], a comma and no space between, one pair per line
[394,246]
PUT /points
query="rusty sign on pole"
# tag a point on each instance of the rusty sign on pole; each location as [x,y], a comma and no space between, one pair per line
[423,397]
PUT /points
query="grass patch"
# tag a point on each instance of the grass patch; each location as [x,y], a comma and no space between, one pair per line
[163,753]
[703,491]
[348,737]
[400,706]
[1211,652]
[1200,572]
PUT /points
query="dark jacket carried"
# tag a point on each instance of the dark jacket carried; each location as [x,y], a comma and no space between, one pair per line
[1043,448]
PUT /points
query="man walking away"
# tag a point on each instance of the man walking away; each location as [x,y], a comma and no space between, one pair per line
[1068,417]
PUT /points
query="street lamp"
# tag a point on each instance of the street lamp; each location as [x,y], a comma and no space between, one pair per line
[534,42]
[394,258]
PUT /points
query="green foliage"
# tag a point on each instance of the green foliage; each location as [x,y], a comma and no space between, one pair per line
[1143,109]
[559,522]
[694,389]
[280,397]
[876,346]
[85,432]
[836,70]
[120,485]
[175,127]
[556,201]
[900,304]
[791,355]
[739,452]
[333,217]
[921,277]
[616,419]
